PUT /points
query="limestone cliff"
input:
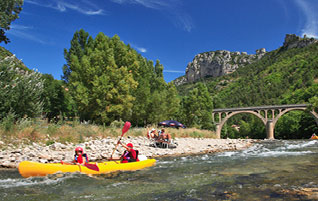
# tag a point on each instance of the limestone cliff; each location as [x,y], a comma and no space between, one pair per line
[293,41]
[217,63]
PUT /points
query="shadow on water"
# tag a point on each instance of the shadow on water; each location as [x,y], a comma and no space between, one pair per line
[279,170]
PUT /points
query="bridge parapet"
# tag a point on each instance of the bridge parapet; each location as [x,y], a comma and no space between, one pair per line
[270,107]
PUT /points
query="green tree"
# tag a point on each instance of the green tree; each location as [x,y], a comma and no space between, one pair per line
[197,108]
[79,45]
[314,103]
[101,89]
[55,101]
[9,11]
[20,91]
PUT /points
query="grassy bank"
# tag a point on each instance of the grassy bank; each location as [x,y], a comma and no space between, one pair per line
[29,131]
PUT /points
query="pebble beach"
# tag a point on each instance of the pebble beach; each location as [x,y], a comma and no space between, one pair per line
[100,149]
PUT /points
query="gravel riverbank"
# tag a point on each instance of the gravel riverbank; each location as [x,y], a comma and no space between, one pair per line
[100,149]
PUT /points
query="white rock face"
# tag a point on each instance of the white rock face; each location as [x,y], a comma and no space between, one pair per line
[293,41]
[218,63]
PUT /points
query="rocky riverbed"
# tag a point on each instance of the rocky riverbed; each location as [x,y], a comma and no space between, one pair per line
[100,149]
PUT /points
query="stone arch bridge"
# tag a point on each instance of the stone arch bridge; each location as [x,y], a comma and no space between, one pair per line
[269,115]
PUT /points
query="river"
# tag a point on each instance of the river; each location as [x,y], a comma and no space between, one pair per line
[269,170]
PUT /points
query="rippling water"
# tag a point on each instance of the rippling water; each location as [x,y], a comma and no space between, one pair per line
[265,171]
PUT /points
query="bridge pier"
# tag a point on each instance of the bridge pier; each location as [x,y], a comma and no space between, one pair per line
[270,129]
[218,130]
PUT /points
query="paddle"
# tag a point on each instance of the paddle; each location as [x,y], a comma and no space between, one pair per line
[92,166]
[124,130]
[89,166]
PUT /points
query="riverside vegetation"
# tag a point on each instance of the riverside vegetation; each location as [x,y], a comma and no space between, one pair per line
[31,130]
[105,80]
[96,90]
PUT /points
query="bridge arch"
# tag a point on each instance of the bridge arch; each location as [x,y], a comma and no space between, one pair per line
[283,112]
[231,114]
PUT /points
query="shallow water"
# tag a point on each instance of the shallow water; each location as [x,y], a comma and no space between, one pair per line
[265,171]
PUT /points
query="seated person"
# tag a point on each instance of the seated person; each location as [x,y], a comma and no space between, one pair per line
[164,136]
[152,134]
[80,158]
[129,155]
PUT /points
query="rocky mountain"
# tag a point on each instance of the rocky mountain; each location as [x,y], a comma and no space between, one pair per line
[223,62]
[293,41]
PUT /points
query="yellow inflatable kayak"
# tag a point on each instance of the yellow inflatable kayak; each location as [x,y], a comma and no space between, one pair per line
[31,169]
[314,138]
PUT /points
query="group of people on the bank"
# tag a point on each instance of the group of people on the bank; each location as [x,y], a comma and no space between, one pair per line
[160,135]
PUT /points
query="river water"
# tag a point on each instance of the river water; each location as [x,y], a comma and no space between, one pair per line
[270,170]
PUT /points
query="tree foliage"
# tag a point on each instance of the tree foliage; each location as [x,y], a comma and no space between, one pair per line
[20,91]
[9,11]
[109,81]
[197,108]
[57,102]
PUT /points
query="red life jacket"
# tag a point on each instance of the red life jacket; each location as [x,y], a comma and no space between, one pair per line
[130,156]
[79,159]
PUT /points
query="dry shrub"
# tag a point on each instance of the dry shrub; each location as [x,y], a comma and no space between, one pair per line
[48,133]
[30,133]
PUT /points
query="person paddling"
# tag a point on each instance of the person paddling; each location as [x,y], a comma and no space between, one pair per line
[129,155]
[80,158]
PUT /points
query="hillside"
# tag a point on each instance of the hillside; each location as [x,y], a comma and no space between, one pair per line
[4,53]
[286,75]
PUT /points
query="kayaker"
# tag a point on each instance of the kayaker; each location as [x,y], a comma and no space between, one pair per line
[80,157]
[129,155]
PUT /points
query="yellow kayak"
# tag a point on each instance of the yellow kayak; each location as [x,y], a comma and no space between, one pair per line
[31,169]
[314,138]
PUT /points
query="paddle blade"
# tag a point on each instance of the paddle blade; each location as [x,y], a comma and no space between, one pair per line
[92,166]
[126,127]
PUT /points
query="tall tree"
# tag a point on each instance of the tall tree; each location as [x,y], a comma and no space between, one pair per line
[101,89]
[79,45]
[9,11]
[55,100]
[197,108]
[20,91]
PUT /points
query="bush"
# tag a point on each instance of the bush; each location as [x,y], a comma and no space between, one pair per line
[7,123]
[23,123]
[20,91]
[117,124]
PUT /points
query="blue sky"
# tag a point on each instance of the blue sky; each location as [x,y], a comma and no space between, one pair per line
[173,31]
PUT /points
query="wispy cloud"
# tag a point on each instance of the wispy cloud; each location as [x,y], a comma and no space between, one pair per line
[173,71]
[172,8]
[309,8]
[25,32]
[138,48]
[84,7]
[154,4]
